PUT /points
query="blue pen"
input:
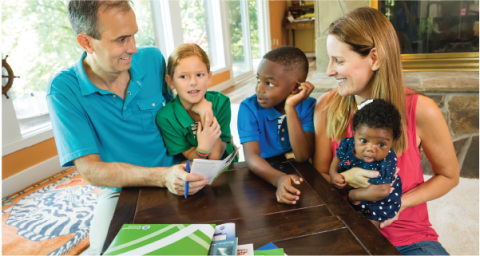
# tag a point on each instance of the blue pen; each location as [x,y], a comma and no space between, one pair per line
[186,182]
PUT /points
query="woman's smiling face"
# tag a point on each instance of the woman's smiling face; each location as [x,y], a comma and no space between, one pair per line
[353,72]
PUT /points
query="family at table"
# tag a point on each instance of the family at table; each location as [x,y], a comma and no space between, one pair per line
[115,117]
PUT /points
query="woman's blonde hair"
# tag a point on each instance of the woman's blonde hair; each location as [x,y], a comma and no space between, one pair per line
[184,51]
[364,29]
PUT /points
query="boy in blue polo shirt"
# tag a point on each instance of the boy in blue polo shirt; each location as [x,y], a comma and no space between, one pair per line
[279,118]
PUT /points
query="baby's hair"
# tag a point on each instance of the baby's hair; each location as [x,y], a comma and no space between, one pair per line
[379,114]
[291,58]
[184,51]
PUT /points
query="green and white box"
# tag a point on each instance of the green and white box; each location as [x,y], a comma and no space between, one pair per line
[162,239]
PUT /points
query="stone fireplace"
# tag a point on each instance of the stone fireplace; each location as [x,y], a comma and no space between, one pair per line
[455,93]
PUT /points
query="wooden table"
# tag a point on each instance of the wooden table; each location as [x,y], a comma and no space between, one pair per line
[322,222]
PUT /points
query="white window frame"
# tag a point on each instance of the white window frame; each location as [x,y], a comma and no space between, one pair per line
[166,21]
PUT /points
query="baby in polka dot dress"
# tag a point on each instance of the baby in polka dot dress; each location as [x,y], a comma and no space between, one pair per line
[376,125]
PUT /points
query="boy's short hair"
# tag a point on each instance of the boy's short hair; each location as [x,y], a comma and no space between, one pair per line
[292,58]
[184,51]
[379,114]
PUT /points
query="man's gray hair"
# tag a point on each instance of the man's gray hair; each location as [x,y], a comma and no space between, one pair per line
[83,14]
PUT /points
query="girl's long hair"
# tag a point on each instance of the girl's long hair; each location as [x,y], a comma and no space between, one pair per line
[364,29]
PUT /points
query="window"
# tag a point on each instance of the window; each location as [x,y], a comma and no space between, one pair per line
[39,42]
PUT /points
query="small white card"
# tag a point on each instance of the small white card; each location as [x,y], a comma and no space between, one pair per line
[245,249]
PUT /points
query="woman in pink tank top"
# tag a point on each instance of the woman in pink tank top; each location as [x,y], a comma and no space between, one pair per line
[365,60]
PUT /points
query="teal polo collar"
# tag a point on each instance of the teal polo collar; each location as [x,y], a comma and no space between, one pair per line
[87,87]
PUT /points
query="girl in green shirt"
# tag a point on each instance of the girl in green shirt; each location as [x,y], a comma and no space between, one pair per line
[196,123]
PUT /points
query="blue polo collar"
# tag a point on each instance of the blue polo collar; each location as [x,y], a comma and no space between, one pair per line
[270,113]
[87,87]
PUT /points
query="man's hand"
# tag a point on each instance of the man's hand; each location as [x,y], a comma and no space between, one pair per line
[208,134]
[286,193]
[175,181]
[358,178]
[338,181]
[304,90]
[203,109]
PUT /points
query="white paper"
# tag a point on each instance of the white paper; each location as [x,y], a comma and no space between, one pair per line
[210,169]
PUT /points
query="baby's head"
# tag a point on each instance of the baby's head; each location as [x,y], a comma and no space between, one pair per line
[188,72]
[376,126]
[278,75]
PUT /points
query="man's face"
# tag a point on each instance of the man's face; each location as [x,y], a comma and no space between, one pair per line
[372,144]
[274,85]
[113,52]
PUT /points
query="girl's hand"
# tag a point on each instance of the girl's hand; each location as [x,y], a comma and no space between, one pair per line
[286,193]
[358,178]
[203,109]
[208,135]
[338,181]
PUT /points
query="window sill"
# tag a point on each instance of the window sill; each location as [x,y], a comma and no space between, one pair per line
[27,141]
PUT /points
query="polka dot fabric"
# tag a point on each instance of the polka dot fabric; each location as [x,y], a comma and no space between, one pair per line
[378,210]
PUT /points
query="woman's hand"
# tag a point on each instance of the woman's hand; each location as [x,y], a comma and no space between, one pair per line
[286,193]
[358,178]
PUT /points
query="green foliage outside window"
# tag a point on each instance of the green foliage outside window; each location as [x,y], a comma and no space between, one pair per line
[235,25]
[39,41]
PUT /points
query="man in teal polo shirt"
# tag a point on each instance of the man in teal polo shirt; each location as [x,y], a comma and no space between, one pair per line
[103,111]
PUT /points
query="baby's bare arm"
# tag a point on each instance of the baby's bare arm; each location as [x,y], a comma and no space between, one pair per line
[370,193]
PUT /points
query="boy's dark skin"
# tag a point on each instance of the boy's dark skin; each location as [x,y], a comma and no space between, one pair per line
[282,90]
[372,192]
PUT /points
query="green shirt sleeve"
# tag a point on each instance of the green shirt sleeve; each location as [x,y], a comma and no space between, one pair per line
[175,141]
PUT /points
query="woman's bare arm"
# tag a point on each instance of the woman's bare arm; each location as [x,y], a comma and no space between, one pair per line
[322,156]
[438,147]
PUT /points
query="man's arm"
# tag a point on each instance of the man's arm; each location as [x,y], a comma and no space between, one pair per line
[117,174]
[286,193]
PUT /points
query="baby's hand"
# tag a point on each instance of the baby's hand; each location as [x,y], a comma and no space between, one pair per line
[338,181]
[207,135]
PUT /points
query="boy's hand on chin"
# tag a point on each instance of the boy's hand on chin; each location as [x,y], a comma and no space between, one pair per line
[300,94]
